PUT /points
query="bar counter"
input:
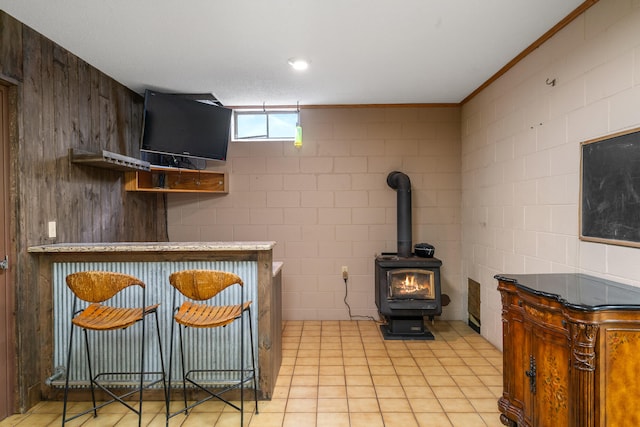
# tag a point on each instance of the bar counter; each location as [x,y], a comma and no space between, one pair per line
[143,247]
[152,262]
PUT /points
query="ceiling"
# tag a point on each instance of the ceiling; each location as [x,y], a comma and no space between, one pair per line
[361,51]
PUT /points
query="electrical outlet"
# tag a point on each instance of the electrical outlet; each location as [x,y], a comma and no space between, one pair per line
[52,229]
[345,272]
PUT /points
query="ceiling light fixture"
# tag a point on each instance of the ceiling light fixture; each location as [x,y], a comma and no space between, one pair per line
[298,64]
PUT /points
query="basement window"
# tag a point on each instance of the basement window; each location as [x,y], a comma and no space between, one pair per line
[264,125]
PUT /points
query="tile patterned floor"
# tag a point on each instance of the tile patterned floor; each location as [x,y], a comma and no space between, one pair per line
[343,374]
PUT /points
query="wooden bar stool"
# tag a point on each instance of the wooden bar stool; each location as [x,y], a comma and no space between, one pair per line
[94,288]
[199,286]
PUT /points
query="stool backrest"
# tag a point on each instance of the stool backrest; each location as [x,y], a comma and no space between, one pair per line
[99,286]
[202,285]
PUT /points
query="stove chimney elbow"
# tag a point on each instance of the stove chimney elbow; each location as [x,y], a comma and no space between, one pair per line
[399,181]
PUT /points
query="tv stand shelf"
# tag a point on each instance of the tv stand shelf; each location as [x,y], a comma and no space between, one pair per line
[107,160]
[175,180]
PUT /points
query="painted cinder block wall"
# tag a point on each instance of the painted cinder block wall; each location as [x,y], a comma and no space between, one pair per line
[521,155]
[512,205]
[327,204]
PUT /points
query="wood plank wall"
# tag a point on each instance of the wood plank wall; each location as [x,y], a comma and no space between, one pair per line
[61,102]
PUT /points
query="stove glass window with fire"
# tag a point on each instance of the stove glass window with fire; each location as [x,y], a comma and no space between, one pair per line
[410,284]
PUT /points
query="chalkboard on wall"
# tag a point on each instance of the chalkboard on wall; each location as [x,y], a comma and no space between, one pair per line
[610,189]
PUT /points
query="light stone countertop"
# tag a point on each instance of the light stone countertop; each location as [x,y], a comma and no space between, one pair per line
[277,267]
[151,247]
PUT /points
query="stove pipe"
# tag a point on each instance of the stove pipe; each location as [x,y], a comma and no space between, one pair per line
[401,183]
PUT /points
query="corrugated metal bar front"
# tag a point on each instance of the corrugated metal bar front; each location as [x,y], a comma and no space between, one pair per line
[119,351]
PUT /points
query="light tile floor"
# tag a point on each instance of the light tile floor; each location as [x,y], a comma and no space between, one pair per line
[343,374]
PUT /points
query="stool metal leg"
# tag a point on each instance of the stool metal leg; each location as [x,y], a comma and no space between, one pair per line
[144,324]
[184,369]
[66,381]
[91,379]
[242,365]
[164,372]
[169,414]
[171,340]
[168,395]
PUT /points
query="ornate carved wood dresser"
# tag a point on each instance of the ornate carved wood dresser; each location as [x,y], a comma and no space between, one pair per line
[571,351]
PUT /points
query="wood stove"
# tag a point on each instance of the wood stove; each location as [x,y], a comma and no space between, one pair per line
[407,290]
[407,286]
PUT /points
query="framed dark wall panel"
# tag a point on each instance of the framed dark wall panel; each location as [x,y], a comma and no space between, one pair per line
[610,189]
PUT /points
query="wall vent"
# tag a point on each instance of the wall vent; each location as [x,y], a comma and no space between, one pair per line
[474,304]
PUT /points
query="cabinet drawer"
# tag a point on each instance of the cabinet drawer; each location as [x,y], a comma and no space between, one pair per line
[542,314]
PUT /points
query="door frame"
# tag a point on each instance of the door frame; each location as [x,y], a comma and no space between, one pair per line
[8,143]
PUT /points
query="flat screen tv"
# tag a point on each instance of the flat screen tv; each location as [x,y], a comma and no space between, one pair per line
[177,126]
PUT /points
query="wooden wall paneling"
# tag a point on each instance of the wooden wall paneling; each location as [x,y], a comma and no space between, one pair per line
[29,155]
[121,120]
[94,142]
[18,223]
[129,122]
[132,122]
[147,220]
[85,231]
[128,131]
[113,222]
[124,146]
[104,132]
[115,187]
[73,82]
[72,210]
[10,47]
[62,102]
[105,210]
[137,113]
[45,180]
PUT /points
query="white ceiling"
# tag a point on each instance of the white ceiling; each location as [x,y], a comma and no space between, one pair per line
[361,51]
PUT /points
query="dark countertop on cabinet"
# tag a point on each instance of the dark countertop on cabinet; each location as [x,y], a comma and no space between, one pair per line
[578,291]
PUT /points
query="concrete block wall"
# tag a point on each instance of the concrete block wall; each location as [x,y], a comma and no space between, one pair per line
[327,204]
[521,155]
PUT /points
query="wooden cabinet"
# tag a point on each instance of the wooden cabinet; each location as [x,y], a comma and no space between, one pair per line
[536,360]
[175,180]
[570,344]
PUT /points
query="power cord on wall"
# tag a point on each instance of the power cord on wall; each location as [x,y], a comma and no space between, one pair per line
[345,277]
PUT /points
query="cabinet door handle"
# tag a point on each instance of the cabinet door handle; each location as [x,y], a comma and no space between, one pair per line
[531,373]
[519,303]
